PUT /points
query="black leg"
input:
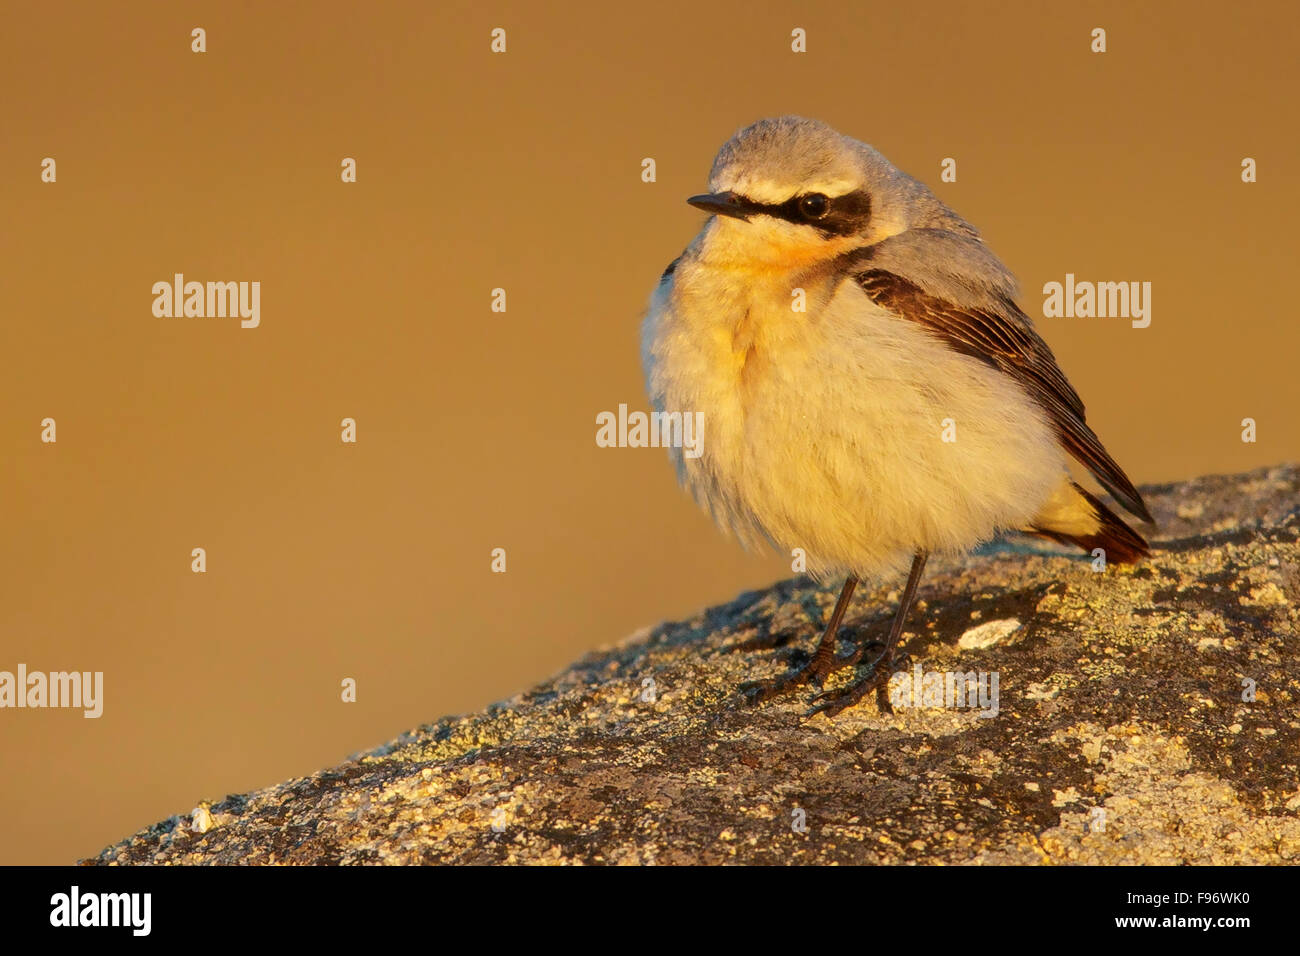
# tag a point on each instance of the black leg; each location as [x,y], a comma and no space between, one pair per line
[878,675]
[824,660]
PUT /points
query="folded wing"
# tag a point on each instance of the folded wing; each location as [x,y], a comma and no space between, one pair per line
[1002,335]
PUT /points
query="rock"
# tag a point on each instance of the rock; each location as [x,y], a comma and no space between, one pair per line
[1145,715]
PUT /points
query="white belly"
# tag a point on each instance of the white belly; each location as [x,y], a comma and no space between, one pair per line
[827,430]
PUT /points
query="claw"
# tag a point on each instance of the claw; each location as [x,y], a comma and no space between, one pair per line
[877,678]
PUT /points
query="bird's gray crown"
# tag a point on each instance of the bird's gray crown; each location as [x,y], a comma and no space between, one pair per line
[775,159]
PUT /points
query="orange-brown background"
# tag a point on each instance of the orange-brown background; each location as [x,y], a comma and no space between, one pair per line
[477,429]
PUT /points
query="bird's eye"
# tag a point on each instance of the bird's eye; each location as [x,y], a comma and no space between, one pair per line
[814,206]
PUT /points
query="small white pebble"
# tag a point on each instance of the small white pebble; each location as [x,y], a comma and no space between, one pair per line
[988,634]
[201,820]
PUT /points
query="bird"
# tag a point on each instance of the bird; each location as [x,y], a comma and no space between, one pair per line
[867,387]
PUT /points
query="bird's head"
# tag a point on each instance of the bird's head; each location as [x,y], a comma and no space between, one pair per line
[790,193]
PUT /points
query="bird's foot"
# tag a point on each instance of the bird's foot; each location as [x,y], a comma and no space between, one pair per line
[876,678]
[815,671]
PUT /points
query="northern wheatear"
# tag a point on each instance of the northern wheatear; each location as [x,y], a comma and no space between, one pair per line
[910,407]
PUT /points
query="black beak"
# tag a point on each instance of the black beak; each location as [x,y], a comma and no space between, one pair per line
[723,204]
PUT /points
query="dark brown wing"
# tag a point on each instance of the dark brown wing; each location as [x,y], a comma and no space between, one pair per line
[1006,339]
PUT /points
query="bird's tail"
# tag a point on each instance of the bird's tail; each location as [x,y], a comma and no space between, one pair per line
[1073,516]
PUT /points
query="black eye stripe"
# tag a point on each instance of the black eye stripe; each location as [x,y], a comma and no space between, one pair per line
[846,215]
